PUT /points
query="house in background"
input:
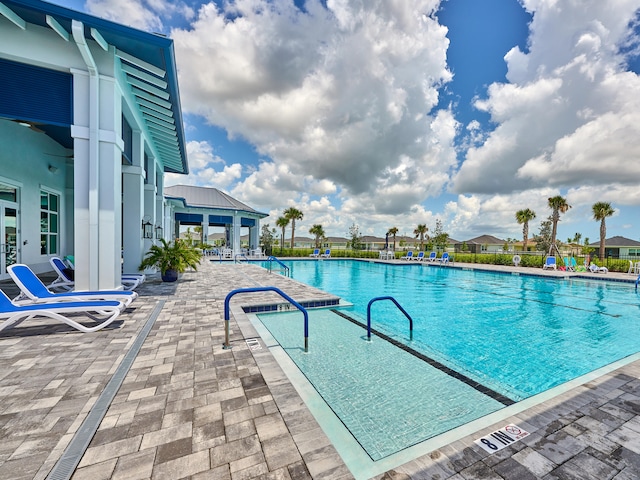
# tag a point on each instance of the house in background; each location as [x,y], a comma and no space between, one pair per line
[90,121]
[618,247]
[481,244]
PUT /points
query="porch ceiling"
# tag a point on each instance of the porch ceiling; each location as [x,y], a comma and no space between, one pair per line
[147,62]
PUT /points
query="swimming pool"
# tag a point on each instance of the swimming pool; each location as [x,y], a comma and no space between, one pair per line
[515,335]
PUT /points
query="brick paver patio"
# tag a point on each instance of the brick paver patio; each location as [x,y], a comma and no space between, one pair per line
[187,408]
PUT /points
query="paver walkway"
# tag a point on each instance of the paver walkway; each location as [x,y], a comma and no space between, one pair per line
[188,408]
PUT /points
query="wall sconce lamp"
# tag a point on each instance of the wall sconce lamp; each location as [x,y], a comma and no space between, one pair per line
[159,232]
[147,228]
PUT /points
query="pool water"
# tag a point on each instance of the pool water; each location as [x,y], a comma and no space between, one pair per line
[388,399]
[515,335]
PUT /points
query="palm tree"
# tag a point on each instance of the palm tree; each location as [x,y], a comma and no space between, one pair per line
[420,231]
[393,231]
[293,214]
[558,205]
[282,222]
[602,210]
[523,217]
[318,232]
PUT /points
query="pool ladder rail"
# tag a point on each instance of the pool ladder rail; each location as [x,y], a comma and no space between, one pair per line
[376,299]
[285,270]
[227,299]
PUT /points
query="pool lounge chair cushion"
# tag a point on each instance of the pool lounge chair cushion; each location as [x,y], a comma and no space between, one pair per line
[34,290]
[444,259]
[316,253]
[104,312]
[408,256]
[326,254]
[550,262]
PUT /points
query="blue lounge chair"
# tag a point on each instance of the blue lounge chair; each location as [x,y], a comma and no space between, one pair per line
[419,257]
[104,312]
[433,256]
[326,254]
[408,256]
[550,262]
[67,283]
[32,289]
[316,253]
[569,264]
[444,258]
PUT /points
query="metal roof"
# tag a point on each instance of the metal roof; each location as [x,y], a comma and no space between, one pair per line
[147,60]
[207,197]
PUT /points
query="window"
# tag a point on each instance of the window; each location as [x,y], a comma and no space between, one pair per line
[634,252]
[8,193]
[49,222]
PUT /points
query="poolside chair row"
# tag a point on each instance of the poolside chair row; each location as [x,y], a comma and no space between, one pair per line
[36,300]
[433,257]
[66,282]
[316,253]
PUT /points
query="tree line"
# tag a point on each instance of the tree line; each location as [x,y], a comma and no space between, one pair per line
[545,241]
[559,205]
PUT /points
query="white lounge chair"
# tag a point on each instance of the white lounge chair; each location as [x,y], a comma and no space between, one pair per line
[316,253]
[419,257]
[103,311]
[444,258]
[326,254]
[593,268]
[433,256]
[550,262]
[32,289]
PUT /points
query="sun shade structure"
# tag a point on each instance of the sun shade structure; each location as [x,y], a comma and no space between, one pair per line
[209,207]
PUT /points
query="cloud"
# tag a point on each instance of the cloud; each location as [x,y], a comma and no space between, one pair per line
[206,169]
[339,93]
[570,115]
[148,15]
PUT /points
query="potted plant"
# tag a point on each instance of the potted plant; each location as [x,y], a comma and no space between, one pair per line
[171,258]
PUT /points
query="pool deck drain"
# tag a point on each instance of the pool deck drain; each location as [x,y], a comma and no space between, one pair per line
[188,408]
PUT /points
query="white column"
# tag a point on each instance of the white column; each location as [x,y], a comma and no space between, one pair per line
[235,234]
[110,189]
[133,201]
[97,185]
[254,235]
[150,190]
[205,228]
[159,214]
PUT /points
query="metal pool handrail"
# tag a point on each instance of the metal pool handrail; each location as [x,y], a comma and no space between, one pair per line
[397,305]
[264,289]
[241,255]
[637,281]
[271,258]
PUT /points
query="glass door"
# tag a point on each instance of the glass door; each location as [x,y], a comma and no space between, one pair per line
[8,237]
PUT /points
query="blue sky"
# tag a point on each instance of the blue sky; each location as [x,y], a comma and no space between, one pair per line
[387,114]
